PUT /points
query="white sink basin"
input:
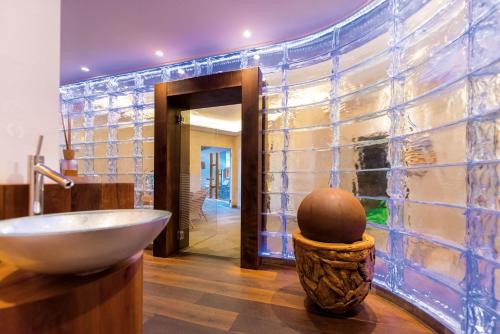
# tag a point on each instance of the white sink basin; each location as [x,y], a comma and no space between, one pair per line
[78,242]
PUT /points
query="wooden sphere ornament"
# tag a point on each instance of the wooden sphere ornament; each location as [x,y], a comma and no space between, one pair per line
[331,215]
[334,257]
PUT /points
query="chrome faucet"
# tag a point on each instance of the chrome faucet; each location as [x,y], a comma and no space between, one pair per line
[36,171]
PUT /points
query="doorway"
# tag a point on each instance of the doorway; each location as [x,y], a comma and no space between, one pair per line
[172,189]
[213,209]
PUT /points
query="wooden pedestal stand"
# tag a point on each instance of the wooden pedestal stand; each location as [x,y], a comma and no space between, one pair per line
[336,276]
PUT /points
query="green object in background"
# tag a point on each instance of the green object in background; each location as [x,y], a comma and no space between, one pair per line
[377,214]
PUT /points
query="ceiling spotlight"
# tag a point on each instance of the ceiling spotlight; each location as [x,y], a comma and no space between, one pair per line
[256,57]
[180,71]
[159,53]
[247,33]
[85,69]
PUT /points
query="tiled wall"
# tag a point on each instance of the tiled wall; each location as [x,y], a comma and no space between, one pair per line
[399,104]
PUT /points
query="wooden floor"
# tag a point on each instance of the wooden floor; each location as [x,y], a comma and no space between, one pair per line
[201,294]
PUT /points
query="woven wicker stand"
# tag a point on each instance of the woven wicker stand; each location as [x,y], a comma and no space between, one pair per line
[336,276]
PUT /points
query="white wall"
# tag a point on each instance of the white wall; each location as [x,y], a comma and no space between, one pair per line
[29,84]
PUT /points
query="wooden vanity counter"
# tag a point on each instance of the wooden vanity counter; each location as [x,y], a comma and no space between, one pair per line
[105,302]
[14,198]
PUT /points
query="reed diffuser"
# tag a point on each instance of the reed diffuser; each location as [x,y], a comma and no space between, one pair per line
[69,166]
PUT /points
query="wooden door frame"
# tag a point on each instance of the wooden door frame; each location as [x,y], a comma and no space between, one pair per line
[242,86]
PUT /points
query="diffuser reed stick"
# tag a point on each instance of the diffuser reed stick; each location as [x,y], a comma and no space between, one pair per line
[68,144]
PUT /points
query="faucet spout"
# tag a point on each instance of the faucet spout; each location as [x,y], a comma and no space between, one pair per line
[58,178]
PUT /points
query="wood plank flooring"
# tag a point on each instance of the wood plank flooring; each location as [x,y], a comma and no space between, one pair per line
[201,294]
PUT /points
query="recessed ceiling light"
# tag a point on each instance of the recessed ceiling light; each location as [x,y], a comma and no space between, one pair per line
[180,71]
[247,33]
[256,57]
[85,69]
[159,53]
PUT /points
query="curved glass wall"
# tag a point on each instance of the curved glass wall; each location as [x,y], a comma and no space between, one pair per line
[399,104]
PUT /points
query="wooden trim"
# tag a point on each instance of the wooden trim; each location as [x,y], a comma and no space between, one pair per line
[242,86]
[251,168]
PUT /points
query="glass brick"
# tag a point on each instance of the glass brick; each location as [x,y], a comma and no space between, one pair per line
[366,74]
[310,73]
[125,149]
[443,68]
[352,56]
[272,182]
[306,161]
[74,106]
[293,202]
[273,100]
[307,182]
[274,141]
[291,224]
[375,128]
[305,94]
[483,139]
[310,138]
[445,223]
[271,203]
[100,150]
[483,233]
[441,32]
[443,107]
[365,102]
[365,183]
[484,186]
[434,147]
[381,275]
[481,8]
[275,120]
[273,78]
[357,28]
[485,35]
[441,185]
[98,87]
[446,262]
[271,246]
[486,90]
[313,115]
[151,77]
[148,165]
[430,294]
[272,223]
[381,237]
[368,155]
[423,15]
[99,103]
[310,48]
[122,100]
[100,166]
[273,162]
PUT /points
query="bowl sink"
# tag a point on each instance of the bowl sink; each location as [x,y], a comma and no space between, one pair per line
[78,242]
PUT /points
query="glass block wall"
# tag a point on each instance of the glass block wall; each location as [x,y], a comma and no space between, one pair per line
[399,104]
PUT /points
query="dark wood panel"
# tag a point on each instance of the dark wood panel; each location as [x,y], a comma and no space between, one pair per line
[166,170]
[251,169]
[106,302]
[16,199]
[269,300]
[86,197]
[56,199]
[205,83]
[83,196]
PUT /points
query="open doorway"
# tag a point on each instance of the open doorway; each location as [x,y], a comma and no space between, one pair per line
[170,168]
[213,208]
